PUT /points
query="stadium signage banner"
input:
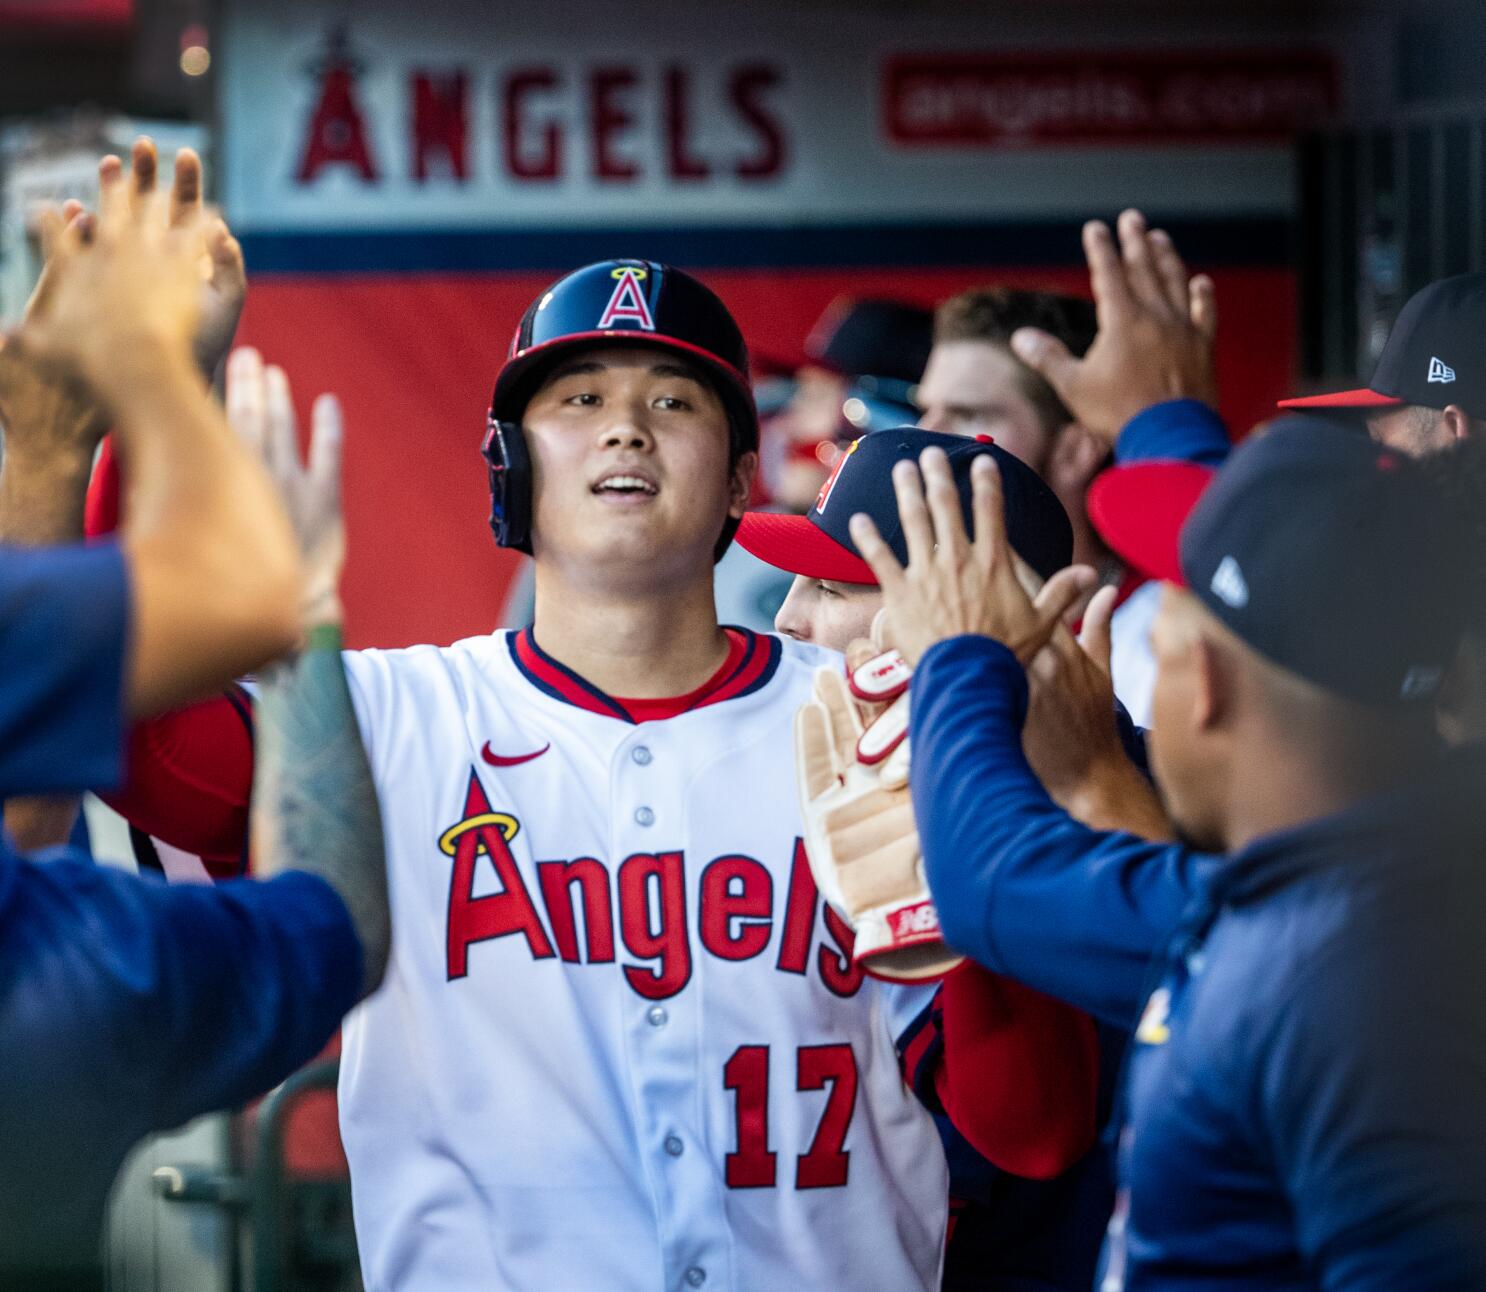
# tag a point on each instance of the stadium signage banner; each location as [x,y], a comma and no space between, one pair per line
[422,117]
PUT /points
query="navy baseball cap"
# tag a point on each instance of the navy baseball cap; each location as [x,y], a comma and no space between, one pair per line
[877,338]
[1435,355]
[819,545]
[1322,551]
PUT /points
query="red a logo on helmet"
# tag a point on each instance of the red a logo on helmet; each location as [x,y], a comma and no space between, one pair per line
[628,301]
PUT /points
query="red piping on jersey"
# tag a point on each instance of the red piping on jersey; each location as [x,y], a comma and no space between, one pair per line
[751,661]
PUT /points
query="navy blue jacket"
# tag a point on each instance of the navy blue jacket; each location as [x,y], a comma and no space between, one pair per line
[1306,1097]
[126,1005]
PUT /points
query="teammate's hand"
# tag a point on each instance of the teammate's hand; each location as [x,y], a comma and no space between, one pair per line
[1156,331]
[260,408]
[953,585]
[224,278]
[44,415]
[1070,725]
[121,287]
[1070,737]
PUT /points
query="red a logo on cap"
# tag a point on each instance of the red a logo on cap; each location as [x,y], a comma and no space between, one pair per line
[825,490]
[628,301]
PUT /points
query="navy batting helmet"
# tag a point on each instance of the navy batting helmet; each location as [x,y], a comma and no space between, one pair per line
[631,302]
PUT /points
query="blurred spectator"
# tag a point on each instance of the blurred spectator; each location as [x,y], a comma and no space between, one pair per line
[863,360]
[1429,387]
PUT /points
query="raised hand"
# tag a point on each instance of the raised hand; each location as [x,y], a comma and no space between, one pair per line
[1157,326]
[260,408]
[120,287]
[953,584]
[225,281]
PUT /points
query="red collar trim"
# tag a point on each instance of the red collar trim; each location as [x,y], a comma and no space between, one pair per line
[750,663]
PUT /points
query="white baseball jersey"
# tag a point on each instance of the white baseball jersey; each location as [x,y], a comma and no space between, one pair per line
[621,1044]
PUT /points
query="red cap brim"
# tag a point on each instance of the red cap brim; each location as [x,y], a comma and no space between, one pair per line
[793,544]
[1343,399]
[1139,511]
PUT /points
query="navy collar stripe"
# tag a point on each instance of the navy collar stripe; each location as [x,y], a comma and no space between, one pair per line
[759,663]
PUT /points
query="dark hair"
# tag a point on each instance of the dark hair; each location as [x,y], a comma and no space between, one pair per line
[1458,473]
[992,314]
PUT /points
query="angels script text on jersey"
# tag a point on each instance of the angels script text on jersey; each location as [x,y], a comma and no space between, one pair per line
[735,919]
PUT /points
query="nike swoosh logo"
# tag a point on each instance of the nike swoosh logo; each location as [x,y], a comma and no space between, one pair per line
[510,760]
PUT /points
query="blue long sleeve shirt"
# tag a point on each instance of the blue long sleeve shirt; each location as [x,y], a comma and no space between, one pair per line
[126,1005]
[1305,1103]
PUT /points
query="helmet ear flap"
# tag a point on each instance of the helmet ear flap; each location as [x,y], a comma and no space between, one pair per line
[509,466]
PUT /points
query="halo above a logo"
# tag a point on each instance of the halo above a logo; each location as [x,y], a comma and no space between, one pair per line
[627,303]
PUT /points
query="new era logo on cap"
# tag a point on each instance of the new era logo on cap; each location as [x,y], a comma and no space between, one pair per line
[1447,316]
[1229,584]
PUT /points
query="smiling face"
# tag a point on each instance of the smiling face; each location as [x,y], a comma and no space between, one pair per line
[828,613]
[630,462]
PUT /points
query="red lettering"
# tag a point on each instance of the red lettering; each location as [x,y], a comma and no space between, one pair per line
[825,1166]
[670,943]
[440,117]
[799,914]
[545,161]
[838,972]
[336,134]
[745,89]
[607,118]
[557,879]
[752,905]
[478,919]
[682,164]
[746,1074]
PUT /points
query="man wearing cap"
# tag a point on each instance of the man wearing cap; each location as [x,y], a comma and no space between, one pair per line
[835,594]
[1305,1105]
[1429,388]
[1047,1231]
[1015,366]
[863,358]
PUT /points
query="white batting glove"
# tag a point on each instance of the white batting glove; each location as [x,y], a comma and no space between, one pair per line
[860,836]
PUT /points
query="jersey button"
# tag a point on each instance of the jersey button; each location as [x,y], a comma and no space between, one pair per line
[644,816]
[657,1015]
[674,1146]
[696,1276]
[642,755]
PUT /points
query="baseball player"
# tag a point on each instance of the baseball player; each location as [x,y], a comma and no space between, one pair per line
[622,1042]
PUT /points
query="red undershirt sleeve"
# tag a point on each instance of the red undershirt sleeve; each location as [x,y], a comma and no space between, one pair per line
[1015,1071]
[189,775]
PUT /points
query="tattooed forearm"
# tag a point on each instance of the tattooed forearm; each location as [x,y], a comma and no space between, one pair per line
[314,804]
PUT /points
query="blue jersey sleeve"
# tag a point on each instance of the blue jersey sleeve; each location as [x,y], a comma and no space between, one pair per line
[164,1001]
[1020,885]
[1178,430]
[65,617]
